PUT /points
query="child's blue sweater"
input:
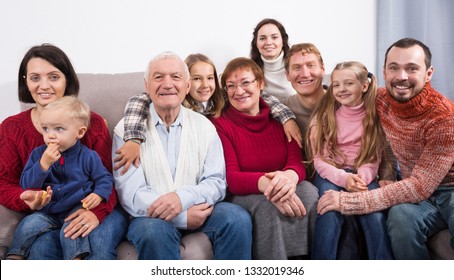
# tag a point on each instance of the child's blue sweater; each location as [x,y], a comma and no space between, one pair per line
[76,174]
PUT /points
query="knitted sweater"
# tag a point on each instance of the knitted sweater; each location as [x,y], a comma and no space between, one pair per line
[253,146]
[421,135]
[276,83]
[18,137]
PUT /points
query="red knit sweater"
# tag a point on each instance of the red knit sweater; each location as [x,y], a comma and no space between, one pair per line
[18,137]
[421,135]
[253,146]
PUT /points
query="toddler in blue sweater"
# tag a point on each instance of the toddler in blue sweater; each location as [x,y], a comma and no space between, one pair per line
[69,174]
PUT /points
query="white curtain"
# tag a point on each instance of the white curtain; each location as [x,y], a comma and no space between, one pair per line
[431,22]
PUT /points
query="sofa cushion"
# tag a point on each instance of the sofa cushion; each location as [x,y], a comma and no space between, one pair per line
[194,246]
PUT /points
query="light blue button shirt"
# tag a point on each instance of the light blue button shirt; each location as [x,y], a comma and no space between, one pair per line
[136,195]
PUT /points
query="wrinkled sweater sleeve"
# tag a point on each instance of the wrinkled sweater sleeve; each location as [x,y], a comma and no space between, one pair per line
[431,168]
[12,160]
[98,138]
[33,177]
[100,175]
[329,172]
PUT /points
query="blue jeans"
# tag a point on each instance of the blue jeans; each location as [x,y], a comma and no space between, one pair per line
[39,223]
[411,224]
[229,227]
[328,229]
[102,241]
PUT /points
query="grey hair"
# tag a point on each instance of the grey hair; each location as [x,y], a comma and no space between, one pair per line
[164,55]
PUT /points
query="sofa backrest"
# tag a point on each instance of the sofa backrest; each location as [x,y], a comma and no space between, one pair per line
[107,94]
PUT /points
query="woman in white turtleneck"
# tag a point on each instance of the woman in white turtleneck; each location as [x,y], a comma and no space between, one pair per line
[269,47]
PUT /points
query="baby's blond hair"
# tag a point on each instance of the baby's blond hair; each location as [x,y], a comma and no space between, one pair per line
[77,109]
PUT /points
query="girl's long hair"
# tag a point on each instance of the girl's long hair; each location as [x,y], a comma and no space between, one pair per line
[217,99]
[324,118]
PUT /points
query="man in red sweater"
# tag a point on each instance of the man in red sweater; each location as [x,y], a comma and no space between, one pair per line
[419,125]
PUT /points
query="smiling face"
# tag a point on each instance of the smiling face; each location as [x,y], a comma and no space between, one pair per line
[59,128]
[347,89]
[405,72]
[269,41]
[305,73]
[203,81]
[244,91]
[44,81]
[167,84]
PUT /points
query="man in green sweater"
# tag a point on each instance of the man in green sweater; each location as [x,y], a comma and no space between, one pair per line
[419,125]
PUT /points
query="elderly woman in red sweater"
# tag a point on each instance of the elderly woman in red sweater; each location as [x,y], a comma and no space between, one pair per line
[265,173]
[45,75]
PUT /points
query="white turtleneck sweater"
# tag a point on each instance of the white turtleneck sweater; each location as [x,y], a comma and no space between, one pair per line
[276,82]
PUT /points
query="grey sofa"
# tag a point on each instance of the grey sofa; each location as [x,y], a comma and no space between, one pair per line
[107,95]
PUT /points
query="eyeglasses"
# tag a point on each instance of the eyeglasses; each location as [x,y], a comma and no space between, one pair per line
[232,87]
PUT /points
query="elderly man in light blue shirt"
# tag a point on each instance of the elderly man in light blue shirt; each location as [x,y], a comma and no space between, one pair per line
[181,179]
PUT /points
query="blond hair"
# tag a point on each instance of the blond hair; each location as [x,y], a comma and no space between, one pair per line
[372,140]
[77,109]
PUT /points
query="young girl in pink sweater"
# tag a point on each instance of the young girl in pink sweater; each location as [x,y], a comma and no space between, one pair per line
[347,141]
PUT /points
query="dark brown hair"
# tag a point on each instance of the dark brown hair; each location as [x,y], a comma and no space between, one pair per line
[255,54]
[57,58]
[406,43]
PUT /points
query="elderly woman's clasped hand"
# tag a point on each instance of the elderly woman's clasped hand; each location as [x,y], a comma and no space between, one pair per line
[279,188]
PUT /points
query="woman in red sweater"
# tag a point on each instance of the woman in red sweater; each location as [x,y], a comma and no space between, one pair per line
[265,173]
[46,74]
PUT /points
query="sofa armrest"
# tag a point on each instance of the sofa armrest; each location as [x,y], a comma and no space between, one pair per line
[9,220]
